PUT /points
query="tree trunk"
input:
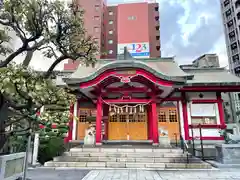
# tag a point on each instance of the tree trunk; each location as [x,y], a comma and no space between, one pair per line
[28,58]
[3,120]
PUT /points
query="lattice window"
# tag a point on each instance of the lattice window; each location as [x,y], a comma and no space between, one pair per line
[172,116]
[113,118]
[122,118]
[83,114]
[162,117]
[131,118]
[141,118]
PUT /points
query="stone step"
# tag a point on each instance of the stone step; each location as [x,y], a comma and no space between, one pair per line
[125,150]
[125,159]
[128,165]
[124,154]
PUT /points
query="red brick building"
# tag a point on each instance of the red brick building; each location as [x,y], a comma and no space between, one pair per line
[135,25]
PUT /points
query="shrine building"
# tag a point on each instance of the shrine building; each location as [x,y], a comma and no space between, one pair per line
[132,99]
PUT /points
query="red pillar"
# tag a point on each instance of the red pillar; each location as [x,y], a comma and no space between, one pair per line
[149,114]
[99,122]
[220,109]
[70,124]
[105,115]
[154,122]
[185,116]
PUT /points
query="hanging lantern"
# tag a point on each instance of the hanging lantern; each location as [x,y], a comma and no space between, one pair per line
[130,110]
[115,110]
[118,110]
[127,109]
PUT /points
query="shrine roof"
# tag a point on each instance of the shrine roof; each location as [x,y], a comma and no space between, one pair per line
[165,68]
[213,76]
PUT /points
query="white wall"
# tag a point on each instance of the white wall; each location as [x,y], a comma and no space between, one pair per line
[205,132]
[206,95]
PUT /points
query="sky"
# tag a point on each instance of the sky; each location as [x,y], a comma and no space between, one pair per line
[189,29]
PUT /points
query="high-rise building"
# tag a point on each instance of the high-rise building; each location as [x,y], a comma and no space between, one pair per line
[231,20]
[132,25]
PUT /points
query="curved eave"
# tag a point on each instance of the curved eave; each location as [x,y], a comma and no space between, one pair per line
[214,84]
[128,64]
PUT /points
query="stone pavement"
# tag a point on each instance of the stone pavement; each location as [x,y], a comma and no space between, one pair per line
[50,174]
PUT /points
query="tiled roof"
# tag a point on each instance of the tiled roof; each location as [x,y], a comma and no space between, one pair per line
[212,76]
[166,68]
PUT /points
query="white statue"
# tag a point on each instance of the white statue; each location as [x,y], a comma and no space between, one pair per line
[89,138]
[164,140]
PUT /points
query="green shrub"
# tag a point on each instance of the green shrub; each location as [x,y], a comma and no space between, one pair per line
[50,148]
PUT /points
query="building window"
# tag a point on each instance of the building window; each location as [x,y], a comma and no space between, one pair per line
[95,40]
[157,28]
[110,41]
[132,17]
[96,29]
[234,46]
[110,13]
[228,12]
[235,58]
[158,48]
[97,7]
[237,4]
[238,15]
[162,117]
[157,37]
[96,18]
[156,8]
[110,22]
[172,116]
[157,18]
[230,23]
[110,52]
[110,32]
[226,3]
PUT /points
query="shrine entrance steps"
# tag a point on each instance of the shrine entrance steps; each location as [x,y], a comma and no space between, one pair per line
[151,158]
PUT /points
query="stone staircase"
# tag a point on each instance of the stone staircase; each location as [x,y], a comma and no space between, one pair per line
[147,158]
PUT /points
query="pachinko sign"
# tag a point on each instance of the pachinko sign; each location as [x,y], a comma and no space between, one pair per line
[137,50]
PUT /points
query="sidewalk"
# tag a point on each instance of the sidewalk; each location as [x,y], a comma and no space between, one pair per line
[50,174]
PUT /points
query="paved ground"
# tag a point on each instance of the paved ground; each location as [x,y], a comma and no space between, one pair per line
[50,174]
[47,174]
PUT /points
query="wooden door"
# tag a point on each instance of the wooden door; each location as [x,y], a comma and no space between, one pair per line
[138,127]
[125,126]
[168,119]
[82,123]
[117,127]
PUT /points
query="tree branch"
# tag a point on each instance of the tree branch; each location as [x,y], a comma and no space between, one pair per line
[55,63]
[12,56]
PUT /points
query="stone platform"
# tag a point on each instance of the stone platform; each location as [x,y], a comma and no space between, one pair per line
[150,158]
